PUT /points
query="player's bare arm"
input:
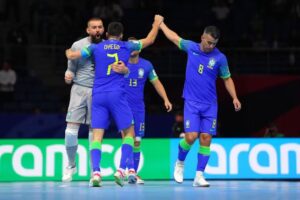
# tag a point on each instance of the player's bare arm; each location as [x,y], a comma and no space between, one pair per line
[158,19]
[72,55]
[170,34]
[162,93]
[229,85]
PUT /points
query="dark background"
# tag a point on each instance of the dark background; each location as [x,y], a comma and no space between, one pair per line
[259,37]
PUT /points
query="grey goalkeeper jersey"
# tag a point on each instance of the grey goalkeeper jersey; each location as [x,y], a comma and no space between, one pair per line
[83,68]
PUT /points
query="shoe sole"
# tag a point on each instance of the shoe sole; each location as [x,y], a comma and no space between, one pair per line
[119,181]
[70,178]
[201,185]
[96,183]
[177,181]
[66,180]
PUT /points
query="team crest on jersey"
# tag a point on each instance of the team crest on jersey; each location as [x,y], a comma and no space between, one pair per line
[187,124]
[211,63]
[141,73]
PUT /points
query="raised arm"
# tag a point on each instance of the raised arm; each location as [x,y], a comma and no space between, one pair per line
[162,93]
[171,35]
[153,33]
[229,85]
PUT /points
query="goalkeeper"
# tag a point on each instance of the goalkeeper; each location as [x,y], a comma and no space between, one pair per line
[81,73]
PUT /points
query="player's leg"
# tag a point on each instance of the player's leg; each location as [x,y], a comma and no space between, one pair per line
[124,120]
[192,127]
[88,122]
[71,143]
[76,115]
[137,157]
[139,129]
[100,121]
[95,151]
[208,129]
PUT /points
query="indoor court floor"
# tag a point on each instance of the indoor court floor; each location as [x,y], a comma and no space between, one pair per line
[152,190]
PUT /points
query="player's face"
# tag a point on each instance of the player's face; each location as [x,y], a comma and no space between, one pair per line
[208,43]
[95,30]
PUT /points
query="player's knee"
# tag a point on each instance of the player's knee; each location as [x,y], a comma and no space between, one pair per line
[137,143]
[71,135]
[190,138]
[205,139]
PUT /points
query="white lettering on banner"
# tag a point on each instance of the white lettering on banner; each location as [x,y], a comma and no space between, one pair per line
[272,167]
[106,148]
[284,158]
[253,154]
[82,160]
[51,150]
[234,155]
[222,160]
[37,169]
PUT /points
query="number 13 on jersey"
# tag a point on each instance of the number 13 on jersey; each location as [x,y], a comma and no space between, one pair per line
[116,57]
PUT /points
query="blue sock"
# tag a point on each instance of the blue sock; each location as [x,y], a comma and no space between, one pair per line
[184,149]
[203,157]
[136,157]
[127,153]
[95,150]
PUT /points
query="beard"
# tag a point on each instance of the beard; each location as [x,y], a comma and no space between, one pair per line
[96,39]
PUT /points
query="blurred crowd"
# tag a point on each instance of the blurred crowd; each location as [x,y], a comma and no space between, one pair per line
[244,23]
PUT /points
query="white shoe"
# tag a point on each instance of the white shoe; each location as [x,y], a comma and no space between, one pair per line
[95,181]
[119,177]
[139,180]
[68,174]
[178,171]
[200,181]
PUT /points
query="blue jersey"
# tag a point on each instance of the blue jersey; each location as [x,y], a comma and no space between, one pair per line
[202,70]
[135,82]
[105,54]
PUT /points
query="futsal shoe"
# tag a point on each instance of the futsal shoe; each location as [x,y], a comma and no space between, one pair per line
[178,171]
[95,181]
[139,180]
[119,177]
[131,177]
[200,181]
[68,174]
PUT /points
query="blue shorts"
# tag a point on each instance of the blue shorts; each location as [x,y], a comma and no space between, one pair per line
[200,117]
[112,104]
[139,122]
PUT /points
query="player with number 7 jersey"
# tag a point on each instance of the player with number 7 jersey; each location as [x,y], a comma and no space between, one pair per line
[109,98]
[105,54]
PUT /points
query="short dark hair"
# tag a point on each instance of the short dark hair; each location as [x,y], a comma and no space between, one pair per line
[94,19]
[132,38]
[213,31]
[115,29]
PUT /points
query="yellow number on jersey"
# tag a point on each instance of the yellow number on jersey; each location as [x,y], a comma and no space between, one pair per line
[200,69]
[114,55]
